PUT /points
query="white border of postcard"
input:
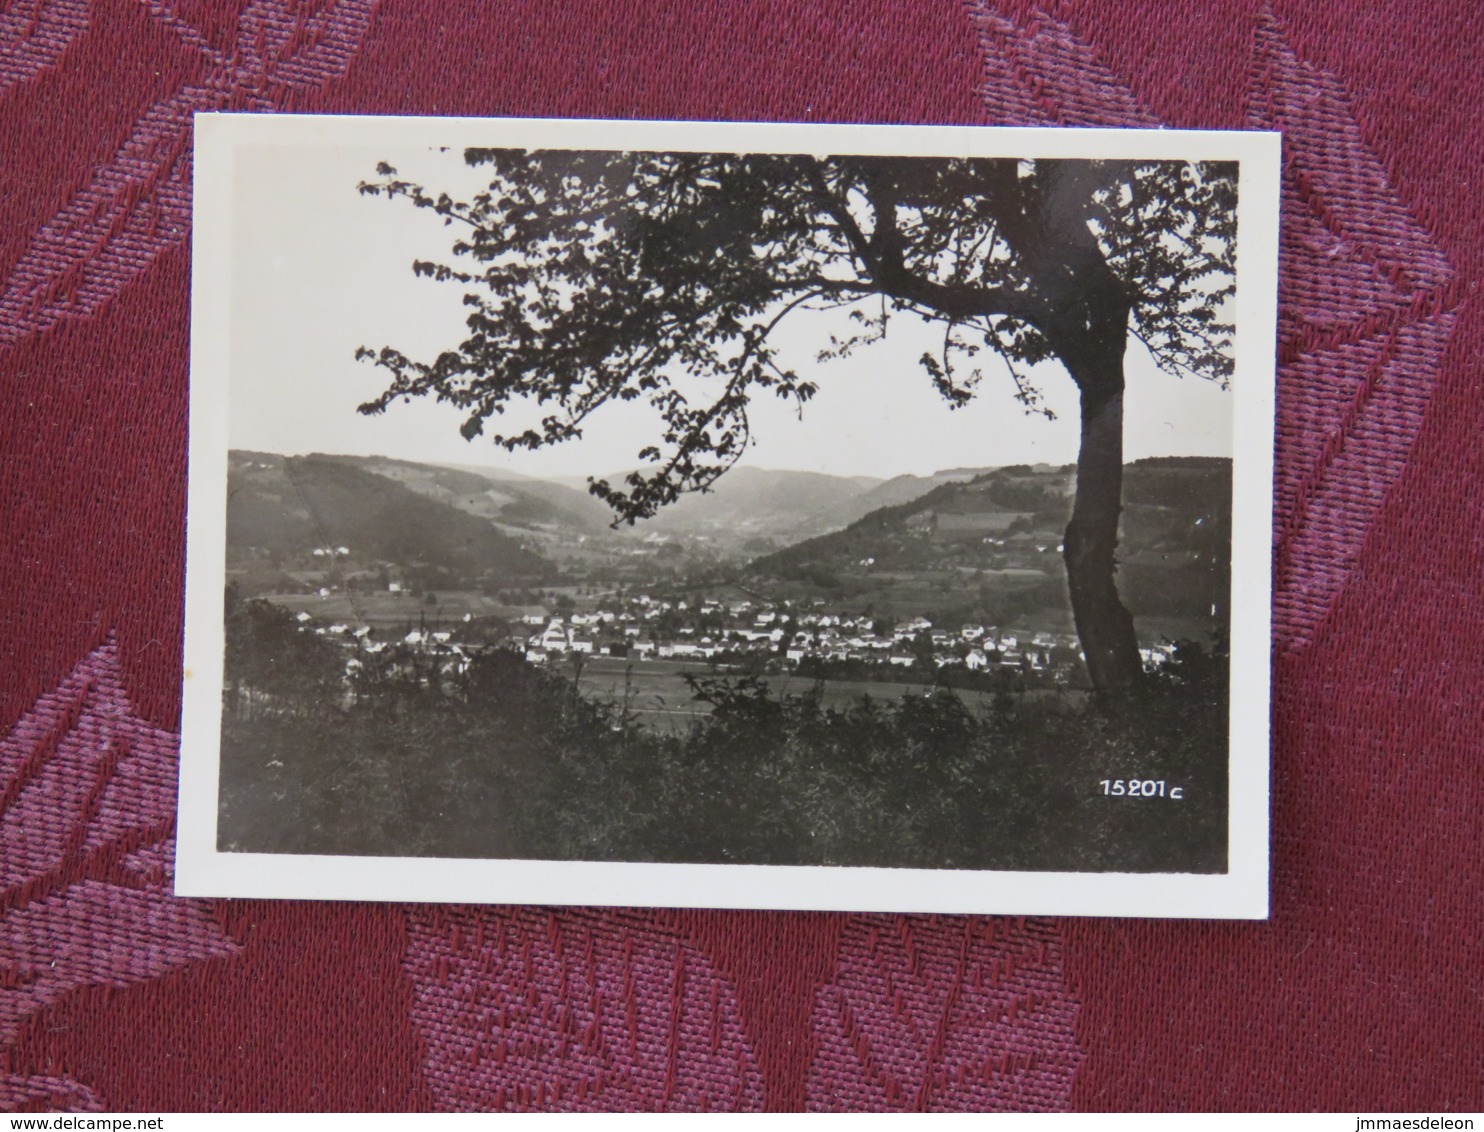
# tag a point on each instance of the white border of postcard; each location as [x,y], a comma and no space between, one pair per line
[1241,893]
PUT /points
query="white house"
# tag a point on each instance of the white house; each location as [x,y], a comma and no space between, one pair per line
[1156,656]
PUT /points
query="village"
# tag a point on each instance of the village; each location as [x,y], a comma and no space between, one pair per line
[807,639]
[708,629]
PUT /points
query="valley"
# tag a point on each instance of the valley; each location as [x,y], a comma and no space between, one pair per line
[957,582]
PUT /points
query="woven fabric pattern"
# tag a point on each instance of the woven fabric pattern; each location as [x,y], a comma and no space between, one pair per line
[1361,993]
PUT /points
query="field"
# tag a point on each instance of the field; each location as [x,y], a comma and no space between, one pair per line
[380,609]
[659,697]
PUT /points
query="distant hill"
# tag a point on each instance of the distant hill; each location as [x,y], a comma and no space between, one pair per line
[1003,530]
[760,497]
[901,489]
[291,505]
[791,506]
[511,501]
[759,503]
[895,535]
[755,506]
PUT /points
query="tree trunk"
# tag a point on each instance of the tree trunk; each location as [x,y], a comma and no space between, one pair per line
[1104,626]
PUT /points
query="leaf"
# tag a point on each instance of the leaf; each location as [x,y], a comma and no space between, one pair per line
[138,204]
[1366,307]
[581,1010]
[1040,74]
[945,1013]
[87,805]
[46,1094]
[34,34]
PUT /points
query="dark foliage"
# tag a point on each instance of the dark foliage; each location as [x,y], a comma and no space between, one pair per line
[506,760]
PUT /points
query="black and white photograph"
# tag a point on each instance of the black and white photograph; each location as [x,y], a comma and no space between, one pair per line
[695,514]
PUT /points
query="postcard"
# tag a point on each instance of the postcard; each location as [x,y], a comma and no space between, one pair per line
[687,514]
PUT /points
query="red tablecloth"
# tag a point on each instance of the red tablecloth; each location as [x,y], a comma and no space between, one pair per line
[1363,992]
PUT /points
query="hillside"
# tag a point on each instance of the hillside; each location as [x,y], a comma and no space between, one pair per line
[903,489]
[759,503]
[787,507]
[514,503]
[752,508]
[284,508]
[992,543]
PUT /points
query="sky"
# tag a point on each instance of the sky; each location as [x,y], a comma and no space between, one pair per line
[318,270]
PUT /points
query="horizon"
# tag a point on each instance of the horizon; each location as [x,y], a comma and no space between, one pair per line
[568,481]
